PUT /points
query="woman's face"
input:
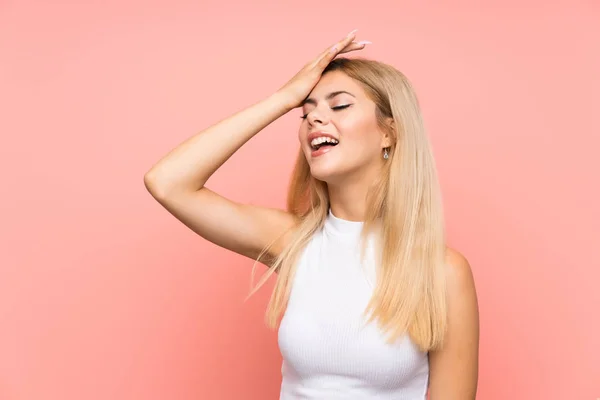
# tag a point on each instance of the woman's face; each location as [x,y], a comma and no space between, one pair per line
[339,133]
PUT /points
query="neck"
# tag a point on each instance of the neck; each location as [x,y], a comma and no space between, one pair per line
[348,196]
[348,201]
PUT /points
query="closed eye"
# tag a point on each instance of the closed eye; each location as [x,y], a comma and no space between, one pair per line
[336,108]
[341,107]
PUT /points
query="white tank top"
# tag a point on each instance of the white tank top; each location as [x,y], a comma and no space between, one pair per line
[329,351]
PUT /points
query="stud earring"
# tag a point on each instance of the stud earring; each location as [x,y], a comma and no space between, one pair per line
[386,154]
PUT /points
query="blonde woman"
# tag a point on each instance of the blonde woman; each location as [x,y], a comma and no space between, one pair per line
[369,302]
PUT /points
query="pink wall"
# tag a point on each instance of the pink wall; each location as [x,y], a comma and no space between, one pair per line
[103,295]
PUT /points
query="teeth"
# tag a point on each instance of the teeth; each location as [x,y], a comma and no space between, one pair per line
[317,141]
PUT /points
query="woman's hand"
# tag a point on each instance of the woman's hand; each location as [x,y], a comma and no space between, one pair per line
[299,87]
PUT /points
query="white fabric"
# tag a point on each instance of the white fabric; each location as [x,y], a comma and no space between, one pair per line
[329,351]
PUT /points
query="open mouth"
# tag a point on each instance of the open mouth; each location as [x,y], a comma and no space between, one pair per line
[322,142]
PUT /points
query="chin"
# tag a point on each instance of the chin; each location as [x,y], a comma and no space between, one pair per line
[327,174]
[330,167]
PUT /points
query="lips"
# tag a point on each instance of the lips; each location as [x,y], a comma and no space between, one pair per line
[321,150]
[314,135]
[321,137]
[321,143]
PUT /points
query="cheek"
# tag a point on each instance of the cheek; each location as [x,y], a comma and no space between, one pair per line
[302,141]
[302,137]
[360,133]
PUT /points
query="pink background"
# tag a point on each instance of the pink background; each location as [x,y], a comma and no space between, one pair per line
[103,295]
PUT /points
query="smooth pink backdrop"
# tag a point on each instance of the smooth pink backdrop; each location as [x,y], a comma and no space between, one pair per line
[103,295]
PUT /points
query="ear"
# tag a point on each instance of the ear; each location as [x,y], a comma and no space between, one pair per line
[387,138]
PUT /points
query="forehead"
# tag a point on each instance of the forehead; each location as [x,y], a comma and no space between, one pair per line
[335,81]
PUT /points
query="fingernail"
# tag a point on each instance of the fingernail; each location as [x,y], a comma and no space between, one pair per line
[333,49]
[364,42]
[353,32]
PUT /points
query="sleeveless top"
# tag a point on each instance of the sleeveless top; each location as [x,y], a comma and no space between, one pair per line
[329,351]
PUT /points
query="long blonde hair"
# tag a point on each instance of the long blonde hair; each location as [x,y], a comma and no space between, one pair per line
[409,295]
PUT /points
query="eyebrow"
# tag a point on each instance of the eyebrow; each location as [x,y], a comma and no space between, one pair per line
[328,97]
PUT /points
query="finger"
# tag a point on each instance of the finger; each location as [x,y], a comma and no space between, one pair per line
[342,44]
[353,46]
[334,50]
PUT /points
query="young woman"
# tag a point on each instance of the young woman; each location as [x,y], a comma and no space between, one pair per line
[369,301]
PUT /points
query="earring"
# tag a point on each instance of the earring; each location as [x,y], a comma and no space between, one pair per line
[386,154]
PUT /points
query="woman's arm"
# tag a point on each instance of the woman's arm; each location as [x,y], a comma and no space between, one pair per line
[454,368]
[177,183]
[177,180]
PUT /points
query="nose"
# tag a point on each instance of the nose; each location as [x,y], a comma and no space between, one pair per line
[317,117]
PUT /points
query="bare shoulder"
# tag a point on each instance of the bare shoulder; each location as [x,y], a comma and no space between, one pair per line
[454,366]
[463,307]
[458,271]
